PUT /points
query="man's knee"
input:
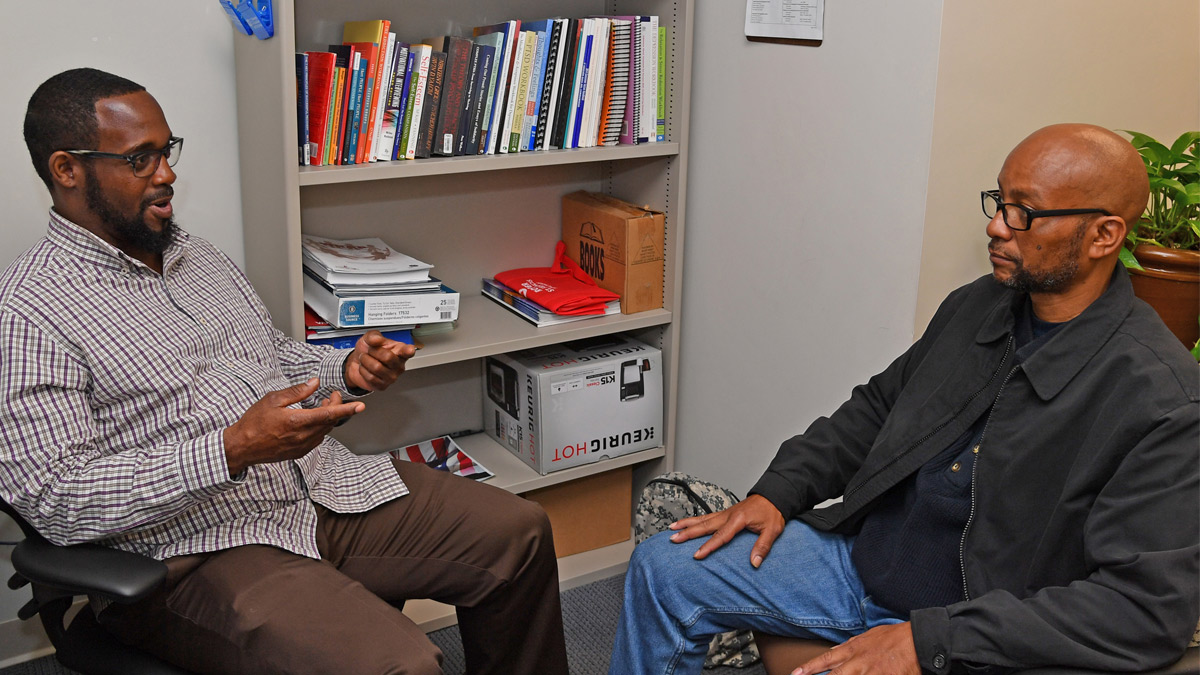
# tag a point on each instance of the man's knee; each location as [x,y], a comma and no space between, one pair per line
[657,555]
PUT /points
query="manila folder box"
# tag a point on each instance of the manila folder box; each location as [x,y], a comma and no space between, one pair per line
[620,245]
[566,405]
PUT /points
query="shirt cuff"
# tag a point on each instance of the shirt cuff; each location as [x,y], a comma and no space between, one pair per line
[203,467]
[332,372]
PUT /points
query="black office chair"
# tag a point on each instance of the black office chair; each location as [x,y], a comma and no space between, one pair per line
[57,574]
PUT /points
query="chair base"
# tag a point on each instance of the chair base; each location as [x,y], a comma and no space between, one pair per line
[92,650]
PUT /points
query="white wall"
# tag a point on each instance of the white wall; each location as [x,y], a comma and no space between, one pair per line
[182,52]
[1121,64]
[806,197]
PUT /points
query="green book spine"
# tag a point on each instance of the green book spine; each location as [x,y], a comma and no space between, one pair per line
[661,128]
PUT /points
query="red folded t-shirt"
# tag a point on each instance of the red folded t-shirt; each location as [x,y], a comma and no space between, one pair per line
[562,288]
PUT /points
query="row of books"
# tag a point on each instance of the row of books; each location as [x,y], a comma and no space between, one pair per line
[511,87]
[352,285]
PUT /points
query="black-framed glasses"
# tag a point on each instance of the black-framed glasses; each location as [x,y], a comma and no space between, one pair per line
[144,163]
[1019,216]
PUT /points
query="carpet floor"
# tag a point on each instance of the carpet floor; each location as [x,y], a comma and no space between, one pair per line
[590,614]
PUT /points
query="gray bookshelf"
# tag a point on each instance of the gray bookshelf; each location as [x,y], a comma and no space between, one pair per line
[469,216]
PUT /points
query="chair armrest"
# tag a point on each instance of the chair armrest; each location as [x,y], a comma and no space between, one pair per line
[88,569]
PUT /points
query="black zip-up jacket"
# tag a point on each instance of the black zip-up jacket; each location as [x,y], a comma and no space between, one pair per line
[1083,546]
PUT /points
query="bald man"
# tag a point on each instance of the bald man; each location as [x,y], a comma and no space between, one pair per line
[1019,488]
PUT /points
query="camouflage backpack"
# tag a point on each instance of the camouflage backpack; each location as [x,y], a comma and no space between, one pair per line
[676,495]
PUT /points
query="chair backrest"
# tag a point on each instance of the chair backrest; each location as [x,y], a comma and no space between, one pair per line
[26,528]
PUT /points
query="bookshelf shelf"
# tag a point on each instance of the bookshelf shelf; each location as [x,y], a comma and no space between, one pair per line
[515,476]
[470,217]
[485,329]
[444,166]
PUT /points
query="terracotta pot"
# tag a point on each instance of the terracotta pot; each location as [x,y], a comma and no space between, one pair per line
[1170,283]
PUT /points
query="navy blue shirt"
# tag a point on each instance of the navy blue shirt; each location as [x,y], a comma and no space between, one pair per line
[907,551]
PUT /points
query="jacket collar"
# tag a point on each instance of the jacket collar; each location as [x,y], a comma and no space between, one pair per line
[1055,363]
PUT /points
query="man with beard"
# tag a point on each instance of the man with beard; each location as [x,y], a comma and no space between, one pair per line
[151,406]
[1018,489]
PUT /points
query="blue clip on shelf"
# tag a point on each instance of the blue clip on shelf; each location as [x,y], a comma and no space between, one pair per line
[252,17]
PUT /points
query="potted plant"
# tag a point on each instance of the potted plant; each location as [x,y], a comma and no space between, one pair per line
[1163,254]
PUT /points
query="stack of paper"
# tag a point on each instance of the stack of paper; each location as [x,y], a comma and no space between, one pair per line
[364,283]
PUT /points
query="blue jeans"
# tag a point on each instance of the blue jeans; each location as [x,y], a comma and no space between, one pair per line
[806,587]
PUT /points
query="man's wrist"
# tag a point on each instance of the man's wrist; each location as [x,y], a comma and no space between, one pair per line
[350,388]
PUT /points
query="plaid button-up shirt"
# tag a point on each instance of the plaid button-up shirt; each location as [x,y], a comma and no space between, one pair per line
[116,385]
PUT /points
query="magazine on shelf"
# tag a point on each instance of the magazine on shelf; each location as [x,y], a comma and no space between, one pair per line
[533,312]
[443,453]
[340,261]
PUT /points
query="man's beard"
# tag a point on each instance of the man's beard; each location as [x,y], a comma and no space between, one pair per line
[1052,280]
[133,232]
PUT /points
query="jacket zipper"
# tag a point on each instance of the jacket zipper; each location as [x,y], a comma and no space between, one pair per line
[962,543]
[933,432]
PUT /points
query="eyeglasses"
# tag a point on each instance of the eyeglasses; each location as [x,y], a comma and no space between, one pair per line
[144,163]
[1019,216]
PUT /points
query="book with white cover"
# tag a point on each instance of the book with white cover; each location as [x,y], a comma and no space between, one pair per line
[348,260]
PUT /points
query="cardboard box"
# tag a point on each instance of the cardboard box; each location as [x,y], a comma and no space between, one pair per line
[588,513]
[620,245]
[566,405]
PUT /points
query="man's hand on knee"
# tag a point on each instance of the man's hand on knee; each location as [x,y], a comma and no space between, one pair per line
[883,650]
[756,514]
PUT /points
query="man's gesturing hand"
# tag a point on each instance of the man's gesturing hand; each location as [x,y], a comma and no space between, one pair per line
[376,362]
[270,431]
[755,513]
[883,650]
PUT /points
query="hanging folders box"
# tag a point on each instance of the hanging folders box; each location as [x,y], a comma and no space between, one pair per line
[619,244]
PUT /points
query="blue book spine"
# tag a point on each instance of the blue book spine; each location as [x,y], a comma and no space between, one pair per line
[360,78]
[348,341]
[302,108]
[587,55]
[398,150]
[543,29]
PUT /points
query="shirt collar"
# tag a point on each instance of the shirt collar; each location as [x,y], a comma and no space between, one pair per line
[84,244]
[1065,353]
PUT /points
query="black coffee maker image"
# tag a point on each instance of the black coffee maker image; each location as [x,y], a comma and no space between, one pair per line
[633,384]
[502,386]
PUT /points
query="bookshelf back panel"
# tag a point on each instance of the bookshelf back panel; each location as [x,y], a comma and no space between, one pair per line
[423,404]
[319,22]
[469,225]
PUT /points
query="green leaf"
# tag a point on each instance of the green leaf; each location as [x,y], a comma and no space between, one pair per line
[1196,349]
[1139,140]
[1185,141]
[1128,260]
[1156,153]
[1174,186]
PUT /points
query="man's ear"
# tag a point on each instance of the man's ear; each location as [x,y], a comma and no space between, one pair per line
[1108,237]
[65,170]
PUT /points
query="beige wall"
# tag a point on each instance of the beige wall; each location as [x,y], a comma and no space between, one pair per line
[1008,67]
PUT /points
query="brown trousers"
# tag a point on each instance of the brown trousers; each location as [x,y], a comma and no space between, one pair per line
[259,609]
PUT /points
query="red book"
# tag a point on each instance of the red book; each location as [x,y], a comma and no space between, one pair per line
[320,85]
[344,56]
[370,38]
